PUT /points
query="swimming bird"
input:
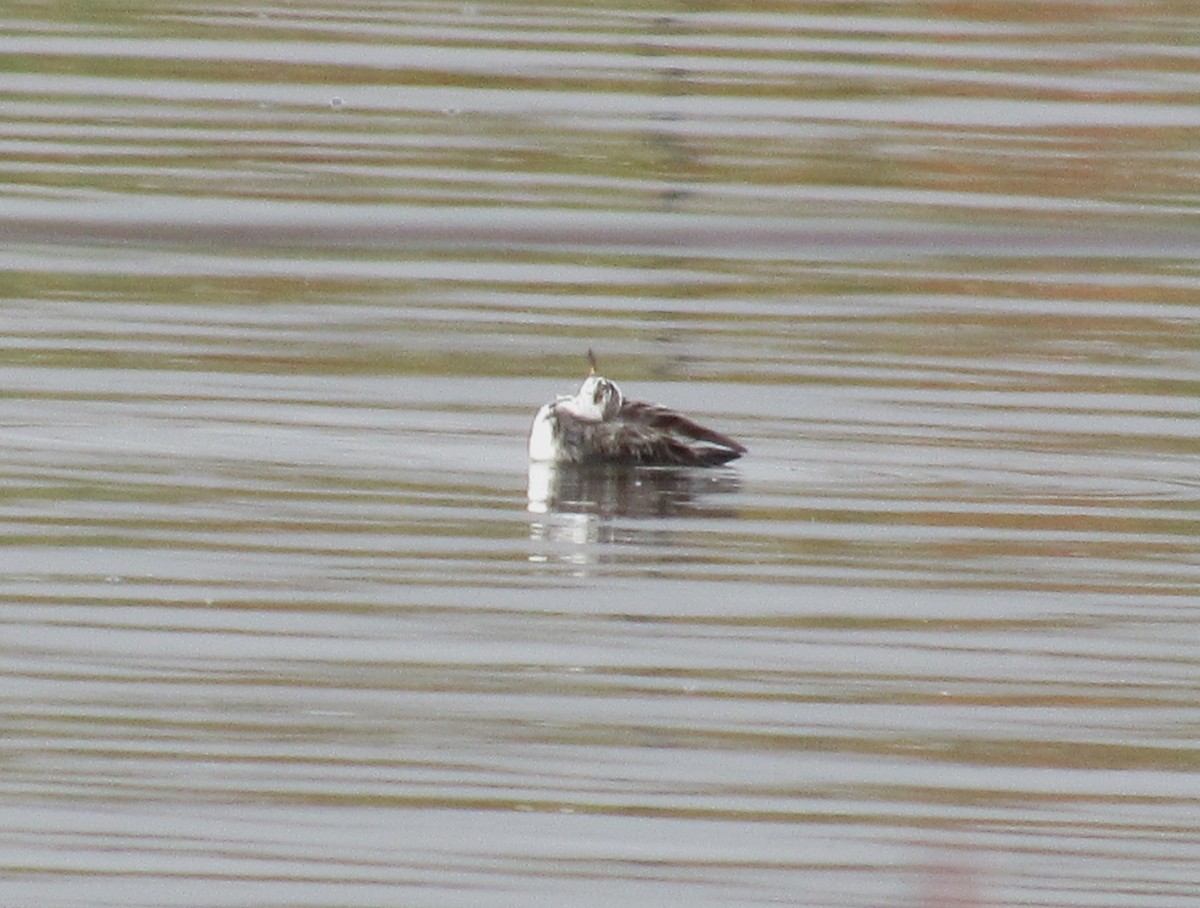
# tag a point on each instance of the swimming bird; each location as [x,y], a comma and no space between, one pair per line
[600,425]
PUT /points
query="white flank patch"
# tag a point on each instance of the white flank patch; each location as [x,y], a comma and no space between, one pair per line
[541,436]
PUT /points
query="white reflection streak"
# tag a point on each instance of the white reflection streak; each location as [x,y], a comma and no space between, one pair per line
[574,530]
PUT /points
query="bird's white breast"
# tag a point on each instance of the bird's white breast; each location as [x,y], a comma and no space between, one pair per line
[542,444]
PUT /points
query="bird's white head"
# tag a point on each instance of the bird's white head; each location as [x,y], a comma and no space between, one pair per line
[598,399]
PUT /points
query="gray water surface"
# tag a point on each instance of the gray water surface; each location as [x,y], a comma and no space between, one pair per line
[285,619]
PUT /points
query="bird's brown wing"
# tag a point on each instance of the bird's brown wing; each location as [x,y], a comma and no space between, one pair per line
[653,434]
[646,434]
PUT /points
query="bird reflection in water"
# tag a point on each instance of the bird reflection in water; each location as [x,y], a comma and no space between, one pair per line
[622,491]
[585,515]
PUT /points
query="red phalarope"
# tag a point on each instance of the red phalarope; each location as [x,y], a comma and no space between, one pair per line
[599,425]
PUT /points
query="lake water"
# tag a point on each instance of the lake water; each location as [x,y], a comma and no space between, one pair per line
[285,619]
